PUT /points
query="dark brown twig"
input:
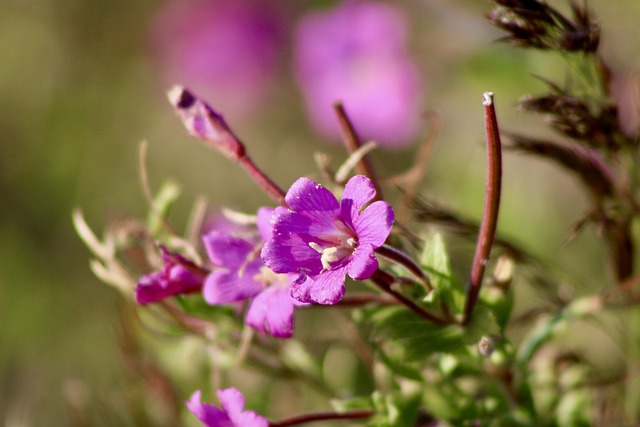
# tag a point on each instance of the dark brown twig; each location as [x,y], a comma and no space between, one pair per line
[357,414]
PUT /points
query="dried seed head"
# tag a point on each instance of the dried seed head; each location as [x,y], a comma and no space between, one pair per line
[535,24]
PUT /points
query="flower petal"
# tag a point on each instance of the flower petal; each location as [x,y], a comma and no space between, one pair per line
[313,200]
[358,192]
[225,250]
[208,414]
[374,224]
[223,287]
[300,289]
[271,312]
[363,262]
[232,402]
[171,281]
[328,287]
[288,250]
[265,227]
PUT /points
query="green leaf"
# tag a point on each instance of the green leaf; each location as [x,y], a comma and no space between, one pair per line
[349,404]
[398,323]
[396,410]
[500,302]
[162,203]
[483,323]
[435,259]
[399,368]
[447,339]
[419,338]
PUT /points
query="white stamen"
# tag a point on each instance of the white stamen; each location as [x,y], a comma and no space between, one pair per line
[316,247]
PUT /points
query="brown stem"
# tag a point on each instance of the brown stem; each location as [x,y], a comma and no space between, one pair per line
[622,249]
[491,206]
[352,142]
[269,187]
[384,280]
[357,300]
[405,261]
[357,414]
[410,179]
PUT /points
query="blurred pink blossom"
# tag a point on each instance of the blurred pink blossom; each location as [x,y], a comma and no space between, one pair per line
[357,53]
[626,91]
[228,51]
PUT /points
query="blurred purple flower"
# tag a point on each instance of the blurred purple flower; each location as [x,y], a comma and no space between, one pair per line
[225,50]
[356,53]
[178,276]
[322,240]
[241,275]
[231,414]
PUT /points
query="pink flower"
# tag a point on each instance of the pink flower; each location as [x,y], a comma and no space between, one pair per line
[356,53]
[178,276]
[321,240]
[225,50]
[240,274]
[231,414]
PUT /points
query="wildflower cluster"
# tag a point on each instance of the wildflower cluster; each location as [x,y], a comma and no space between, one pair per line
[427,347]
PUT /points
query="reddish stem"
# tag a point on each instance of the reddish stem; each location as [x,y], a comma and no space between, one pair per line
[405,261]
[491,206]
[352,142]
[357,414]
[384,281]
[360,299]
[205,123]
[269,187]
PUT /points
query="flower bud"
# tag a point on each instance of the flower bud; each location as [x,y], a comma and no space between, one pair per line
[204,122]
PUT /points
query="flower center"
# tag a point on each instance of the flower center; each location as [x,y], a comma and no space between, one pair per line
[268,277]
[336,253]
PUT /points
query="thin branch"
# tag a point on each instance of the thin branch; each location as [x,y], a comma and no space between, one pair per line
[353,143]
[205,123]
[405,261]
[491,206]
[360,299]
[384,281]
[357,414]
[410,179]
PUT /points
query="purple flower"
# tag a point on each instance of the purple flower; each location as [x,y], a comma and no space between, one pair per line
[231,414]
[242,275]
[356,53]
[178,276]
[225,50]
[322,240]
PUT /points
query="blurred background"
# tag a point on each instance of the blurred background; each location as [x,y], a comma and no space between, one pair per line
[83,82]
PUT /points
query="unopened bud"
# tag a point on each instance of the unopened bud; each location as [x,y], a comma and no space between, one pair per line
[204,122]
